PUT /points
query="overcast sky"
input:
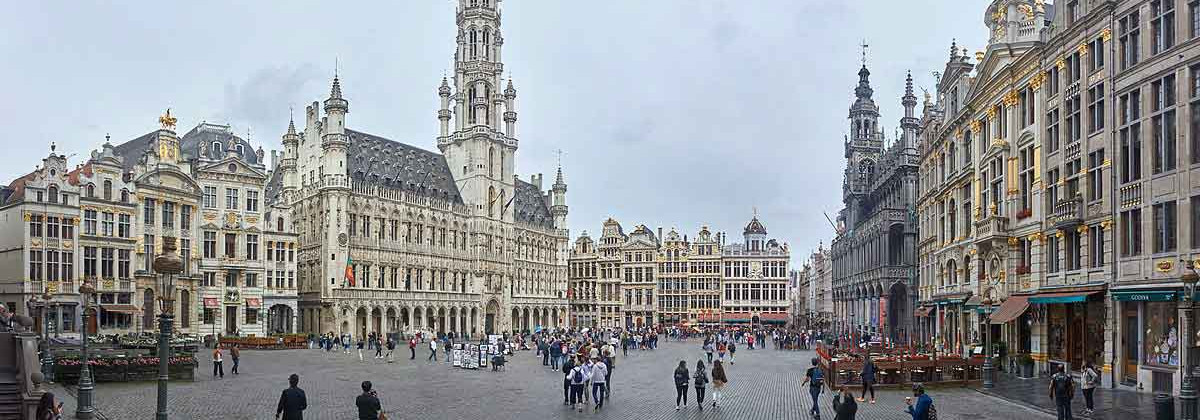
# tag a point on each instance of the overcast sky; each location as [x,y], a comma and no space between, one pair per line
[670,112]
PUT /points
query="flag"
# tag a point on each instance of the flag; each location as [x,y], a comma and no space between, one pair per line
[349,271]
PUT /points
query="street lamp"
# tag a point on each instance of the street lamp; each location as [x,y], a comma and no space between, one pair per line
[987,346]
[84,409]
[47,357]
[1187,391]
[167,265]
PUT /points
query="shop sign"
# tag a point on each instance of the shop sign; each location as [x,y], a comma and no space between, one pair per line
[1147,296]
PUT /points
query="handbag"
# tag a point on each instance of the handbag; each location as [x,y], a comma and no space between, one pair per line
[382,416]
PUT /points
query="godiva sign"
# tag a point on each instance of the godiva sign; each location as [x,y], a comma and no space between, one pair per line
[1146,296]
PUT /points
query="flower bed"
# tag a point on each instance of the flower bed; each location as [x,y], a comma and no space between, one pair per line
[122,369]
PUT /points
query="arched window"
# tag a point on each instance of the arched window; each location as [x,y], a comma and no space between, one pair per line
[216,150]
[241,150]
[952,162]
[951,221]
[125,196]
[492,162]
[91,191]
[966,269]
[487,34]
[951,274]
[107,190]
[279,224]
[53,193]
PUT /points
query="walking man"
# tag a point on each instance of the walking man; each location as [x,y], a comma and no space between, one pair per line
[412,348]
[1062,389]
[391,345]
[599,382]
[432,351]
[815,379]
[292,402]
[236,355]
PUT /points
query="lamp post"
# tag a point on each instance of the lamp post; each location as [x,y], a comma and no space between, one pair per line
[167,265]
[84,408]
[47,357]
[1187,391]
[987,346]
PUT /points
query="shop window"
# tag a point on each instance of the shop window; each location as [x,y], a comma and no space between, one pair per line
[1161,343]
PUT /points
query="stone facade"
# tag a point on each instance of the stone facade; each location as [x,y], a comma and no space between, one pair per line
[647,278]
[400,239]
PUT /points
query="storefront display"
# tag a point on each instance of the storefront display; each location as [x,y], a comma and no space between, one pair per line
[1162,334]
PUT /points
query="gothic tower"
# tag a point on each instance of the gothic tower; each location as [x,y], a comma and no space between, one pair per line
[479,149]
[863,147]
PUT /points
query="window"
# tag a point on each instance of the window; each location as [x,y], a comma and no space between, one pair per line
[270,249]
[251,200]
[185,217]
[108,190]
[353,225]
[1096,56]
[291,247]
[185,252]
[148,212]
[168,214]
[89,262]
[210,244]
[52,227]
[251,315]
[148,251]
[1052,253]
[1025,161]
[1196,223]
[1028,111]
[1131,232]
[52,192]
[1165,226]
[67,229]
[1195,108]
[1129,39]
[68,267]
[230,279]
[1072,124]
[1073,168]
[230,245]
[1053,81]
[89,222]
[1096,108]
[1163,124]
[1096,247]
[52,265]
[1052,130]
[1161,344]
[35,265]
[1130,136]
[107,224]
[106,262]
[251,247]
[210,279]
[1162,25]
[210,197]
[1052,189]
[1095,175]
[123,225]
[1073,247]
[251,279]
[210,315]
[231,198]
[123,264]
[35,225]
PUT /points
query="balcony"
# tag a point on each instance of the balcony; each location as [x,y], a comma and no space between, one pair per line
[992,226]
[1130,195]
[1067,213]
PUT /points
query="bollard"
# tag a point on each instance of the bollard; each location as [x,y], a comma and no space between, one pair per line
[1164,407]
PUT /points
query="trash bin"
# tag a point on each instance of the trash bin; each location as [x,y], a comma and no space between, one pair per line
[1164,407]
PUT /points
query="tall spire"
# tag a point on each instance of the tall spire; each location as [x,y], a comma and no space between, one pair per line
[864,53]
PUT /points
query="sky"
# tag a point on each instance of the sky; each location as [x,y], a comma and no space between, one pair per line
[671,113]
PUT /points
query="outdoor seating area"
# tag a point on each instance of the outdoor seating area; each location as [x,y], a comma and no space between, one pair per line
[897,366]
[274,342]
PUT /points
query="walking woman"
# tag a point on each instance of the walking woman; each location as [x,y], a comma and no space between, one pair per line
[719,380]
[868,379]
[701,380]
[721,350]
[1091,378]
[681,384]
[708,349]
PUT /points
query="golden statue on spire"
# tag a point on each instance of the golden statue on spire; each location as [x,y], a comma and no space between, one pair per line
[167,121]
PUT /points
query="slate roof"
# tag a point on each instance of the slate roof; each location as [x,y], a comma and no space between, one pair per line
[189,145]
[755,227]
[392,164]
[530,205]
[274,185]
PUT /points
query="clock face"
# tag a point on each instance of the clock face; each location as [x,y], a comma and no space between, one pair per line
[342,239]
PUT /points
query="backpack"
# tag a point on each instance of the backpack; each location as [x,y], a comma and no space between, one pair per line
[818,377]
[577,375]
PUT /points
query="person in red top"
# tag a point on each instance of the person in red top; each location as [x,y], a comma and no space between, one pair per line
[412,348]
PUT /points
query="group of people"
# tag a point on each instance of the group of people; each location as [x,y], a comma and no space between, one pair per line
[699,379]
[218,360]
[293,402]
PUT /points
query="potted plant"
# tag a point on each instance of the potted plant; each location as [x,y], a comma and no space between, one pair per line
[1025,364]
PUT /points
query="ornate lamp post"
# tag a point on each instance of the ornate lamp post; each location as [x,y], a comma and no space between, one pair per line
[47,356]
[167,265]
[84,408]
[1187,391]
[987,346]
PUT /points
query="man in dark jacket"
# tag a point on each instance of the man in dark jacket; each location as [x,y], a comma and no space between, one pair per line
[844,407]
[292,402]
[368,403]
[566,370]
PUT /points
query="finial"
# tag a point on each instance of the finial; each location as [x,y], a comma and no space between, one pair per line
[166,120]
[953,47]
[559,153]
[335,67]
[864,52]
[107,137]
[52,147]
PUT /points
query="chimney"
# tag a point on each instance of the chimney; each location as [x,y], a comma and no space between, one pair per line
[660,237]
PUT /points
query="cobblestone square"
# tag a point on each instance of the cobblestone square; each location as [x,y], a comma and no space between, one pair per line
[764,384]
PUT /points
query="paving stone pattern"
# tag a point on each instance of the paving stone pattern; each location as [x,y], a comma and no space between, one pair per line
[764,384]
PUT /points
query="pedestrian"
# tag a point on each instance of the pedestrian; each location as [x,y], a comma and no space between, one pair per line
[359,345]
[378,349]
[432,351]
[719,380]
[49,408]
[368,404]
[599,382]
[721,347]
[1062,390]
[708,349]
[681,384]
[1091,378]
[555,350]
[815,379]
[922,408]
[700,381]
[236,355]
[391,345]
[346,344]
[868,379]
[292,401]
[578,378]
[567,367]
[844,407]
[218,369]
[732,350]
[412,348]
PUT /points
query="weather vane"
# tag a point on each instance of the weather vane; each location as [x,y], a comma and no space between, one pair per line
[864,52]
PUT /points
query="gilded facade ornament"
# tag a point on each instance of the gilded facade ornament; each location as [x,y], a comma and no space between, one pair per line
[1106,224]
[1026,10]
[167,121]
[28,216]
[1036,81]
[1012,98]
[976,125]
[991,113]
[1106,34]
[1164,266]
[979,56]
[1082,229]
[1059,234]
[1083,49]
[1012,241]
[1061,64]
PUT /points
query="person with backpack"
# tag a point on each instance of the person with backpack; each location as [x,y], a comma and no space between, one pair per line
[732,350]
[578,377]
[567,367]
[1091,379]
[681,384]
[719,379]
[1062,390]
[868,379]
[922,408]
[844,407]
[815,379]
[700,381]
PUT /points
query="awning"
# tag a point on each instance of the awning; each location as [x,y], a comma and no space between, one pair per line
[253,303]
[128,309]
[211,303]
[923,311]
[1010,309]
[1145,295]
[1061,297]
[974,301]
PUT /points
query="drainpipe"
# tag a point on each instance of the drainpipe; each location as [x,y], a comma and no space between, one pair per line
[1112,214]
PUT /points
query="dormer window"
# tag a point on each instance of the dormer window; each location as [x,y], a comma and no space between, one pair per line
[53,194]
[108,190]
[216,150]
[91,191]
[241,150]
[125,196]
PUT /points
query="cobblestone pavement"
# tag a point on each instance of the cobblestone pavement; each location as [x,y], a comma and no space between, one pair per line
[764,384]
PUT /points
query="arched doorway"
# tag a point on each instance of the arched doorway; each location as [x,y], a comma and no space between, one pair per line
[899,313]
[280,316]
[392,323]
[148,310]
[360,322]
[489,318]
[376,321]
[404,321]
